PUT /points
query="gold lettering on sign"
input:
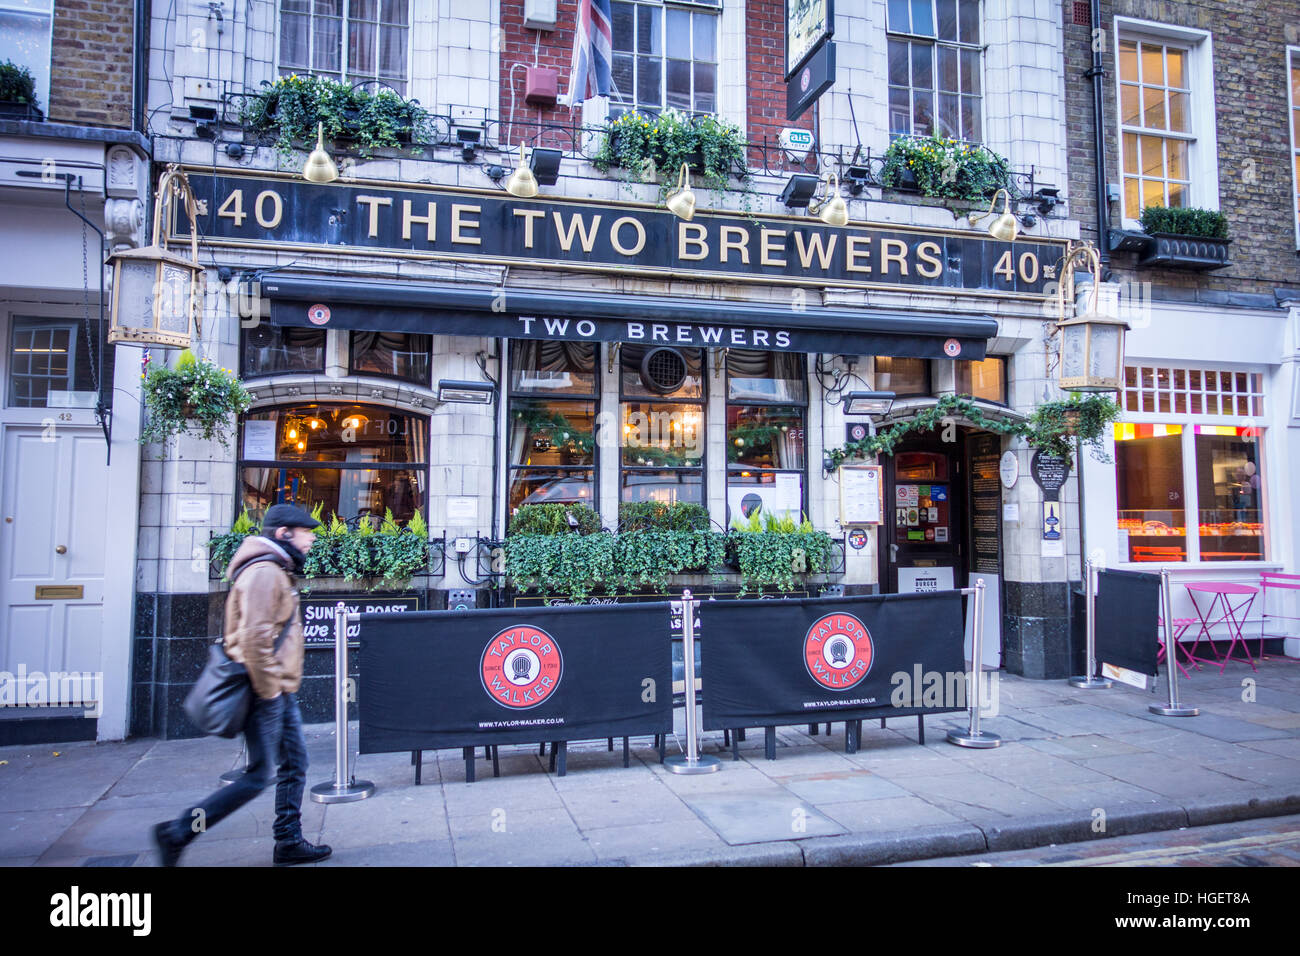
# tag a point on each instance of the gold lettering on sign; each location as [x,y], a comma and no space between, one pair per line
[1029,267]
[691,234]
[530,216]
[259,209]
[578,223]
[459,223]
[815,247]
[928,263]
[614,236]
[374,202]
[770,248]
[740,242]
[859,248]
[429,220]
[899,255]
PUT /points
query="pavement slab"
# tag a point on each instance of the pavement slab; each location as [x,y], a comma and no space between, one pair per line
[760,817]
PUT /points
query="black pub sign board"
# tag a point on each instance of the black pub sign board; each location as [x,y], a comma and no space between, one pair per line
[492,227]
[772,663]
[434,680]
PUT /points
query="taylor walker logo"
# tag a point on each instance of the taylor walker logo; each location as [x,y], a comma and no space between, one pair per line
[837,651]
[84,689]
[521,667]
[74,909]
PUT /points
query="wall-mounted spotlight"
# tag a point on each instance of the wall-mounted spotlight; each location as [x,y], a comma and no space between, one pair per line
[545,164]
[831,209]
[868,403]
[680,200]
[1004,226]
[468,140]
[799,191]
[1048,198]
[857,178]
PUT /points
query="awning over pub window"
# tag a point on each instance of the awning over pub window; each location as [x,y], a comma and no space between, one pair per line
[578,316]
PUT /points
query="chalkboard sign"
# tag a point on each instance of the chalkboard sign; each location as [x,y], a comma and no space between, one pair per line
[1050,472]
[318,613]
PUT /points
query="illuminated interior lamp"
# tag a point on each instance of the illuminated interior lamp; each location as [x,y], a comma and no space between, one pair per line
[319,167]
[681,200]
[832,209]
[1005,227]
[522,183]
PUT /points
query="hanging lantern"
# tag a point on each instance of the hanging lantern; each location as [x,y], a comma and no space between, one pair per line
[157,293]
[1092,344]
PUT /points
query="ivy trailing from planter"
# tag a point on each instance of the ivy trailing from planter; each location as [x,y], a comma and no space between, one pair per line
[944,168]
[654,148]
[1051,427]
[196,397]
[293,106]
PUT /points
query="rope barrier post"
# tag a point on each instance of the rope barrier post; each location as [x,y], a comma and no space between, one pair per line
[974,737]
[343,788]
[1175,707]
[1088,681]
[691,761]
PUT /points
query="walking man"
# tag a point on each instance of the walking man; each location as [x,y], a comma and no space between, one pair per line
[261,613]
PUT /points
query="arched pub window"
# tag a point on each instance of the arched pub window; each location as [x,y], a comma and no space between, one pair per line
[354,460]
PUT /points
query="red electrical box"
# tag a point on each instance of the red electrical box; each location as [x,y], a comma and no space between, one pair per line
[541,85]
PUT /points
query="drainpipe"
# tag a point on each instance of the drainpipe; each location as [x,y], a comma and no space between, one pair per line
[1096,74]
[140,70]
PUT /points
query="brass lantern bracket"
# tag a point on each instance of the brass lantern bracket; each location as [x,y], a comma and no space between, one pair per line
[174,184]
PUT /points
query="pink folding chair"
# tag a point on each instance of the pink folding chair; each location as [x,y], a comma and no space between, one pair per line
[1180,626]
[1276,582]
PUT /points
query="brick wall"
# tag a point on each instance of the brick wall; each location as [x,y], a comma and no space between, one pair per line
[552,49]
[1250,89]
[90,78]
[765,70]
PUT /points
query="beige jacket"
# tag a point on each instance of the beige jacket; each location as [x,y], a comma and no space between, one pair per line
[261,600]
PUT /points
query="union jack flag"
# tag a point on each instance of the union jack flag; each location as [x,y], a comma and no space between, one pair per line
[592,45]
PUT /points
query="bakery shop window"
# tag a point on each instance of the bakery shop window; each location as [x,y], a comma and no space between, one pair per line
[552,410]
[356,461]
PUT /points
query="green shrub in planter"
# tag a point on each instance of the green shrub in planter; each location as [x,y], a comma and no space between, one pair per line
[657,516]
[553,518]
[774,558]
[653,148]
[1203,223]
[17,84]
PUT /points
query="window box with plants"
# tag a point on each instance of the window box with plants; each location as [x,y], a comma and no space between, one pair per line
[18,93]
[942,168]
[287,113]
[1192,239]
[654,148]
[372,558]
[561,551]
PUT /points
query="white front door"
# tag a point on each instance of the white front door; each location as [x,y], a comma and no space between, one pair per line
[53,515]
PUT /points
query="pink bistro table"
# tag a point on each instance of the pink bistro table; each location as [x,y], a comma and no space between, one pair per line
[1222,595]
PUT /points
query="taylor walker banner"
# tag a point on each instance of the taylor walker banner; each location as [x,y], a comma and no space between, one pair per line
[433,680]
[790,662]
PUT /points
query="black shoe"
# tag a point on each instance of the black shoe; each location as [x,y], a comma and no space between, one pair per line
[169,848]
[290,854]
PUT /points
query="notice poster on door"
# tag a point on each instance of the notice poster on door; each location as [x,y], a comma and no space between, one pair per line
[259,440]
[860,495]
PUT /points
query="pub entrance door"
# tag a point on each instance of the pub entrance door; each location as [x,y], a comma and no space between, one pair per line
[922,546]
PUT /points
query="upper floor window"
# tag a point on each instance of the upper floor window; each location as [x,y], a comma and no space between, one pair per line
[935,87]
[25,27]
[665,56]
[347,40]
[1155,113]
[1295,133]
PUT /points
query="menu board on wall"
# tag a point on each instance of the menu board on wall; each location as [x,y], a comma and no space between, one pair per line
[986,503]
[860,495]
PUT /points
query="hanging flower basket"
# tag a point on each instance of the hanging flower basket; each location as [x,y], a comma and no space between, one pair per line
[196,397]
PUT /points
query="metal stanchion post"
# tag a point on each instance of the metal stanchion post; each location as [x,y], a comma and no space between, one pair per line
[230,776]
[1088,681]
[691,761]
[973,736]
[1175,707]
[341,789]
